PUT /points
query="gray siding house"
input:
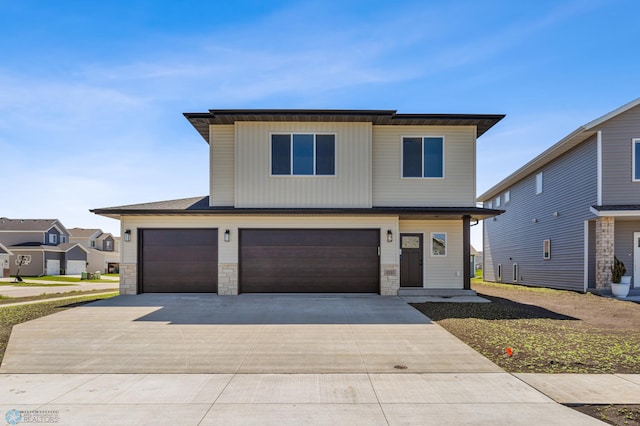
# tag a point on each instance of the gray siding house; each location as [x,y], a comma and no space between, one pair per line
[570,210]
[323,201]
[103,249]
[44,246]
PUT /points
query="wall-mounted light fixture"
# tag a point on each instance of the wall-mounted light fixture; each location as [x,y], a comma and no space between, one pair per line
[227,236]
[534,220]
[556,214]
[127,235]
[389,236]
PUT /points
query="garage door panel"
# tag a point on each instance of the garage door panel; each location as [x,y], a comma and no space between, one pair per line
[309,237]
[309,260]
[179,237]
[315,253]
[179,260]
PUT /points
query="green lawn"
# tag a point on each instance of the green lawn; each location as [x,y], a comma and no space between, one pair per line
[36,284]
[66,279]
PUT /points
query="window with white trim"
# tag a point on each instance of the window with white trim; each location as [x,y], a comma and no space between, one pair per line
[515,272]
[422,157]
[507,196]
[300,154]
[636,161]
[92,243]
[489,205]
[497,201]
[438,244]
[539,183]
[53,239]
[499,277]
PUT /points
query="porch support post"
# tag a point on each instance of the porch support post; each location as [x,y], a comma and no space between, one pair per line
[466,252]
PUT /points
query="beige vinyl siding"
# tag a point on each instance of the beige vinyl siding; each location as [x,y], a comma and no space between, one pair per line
[457,189]
[228,251]
[222,165]
[350,187]
[440,271]
[617,154]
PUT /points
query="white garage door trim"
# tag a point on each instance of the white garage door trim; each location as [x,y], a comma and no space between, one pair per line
[53,267]
[75,267]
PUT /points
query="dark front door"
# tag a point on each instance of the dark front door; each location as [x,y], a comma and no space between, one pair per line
[411,260]
[309,261]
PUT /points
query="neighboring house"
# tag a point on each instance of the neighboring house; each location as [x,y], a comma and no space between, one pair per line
[102,247]
[45,243]
[5,258]
[476,259]
[570,209]
[315,201]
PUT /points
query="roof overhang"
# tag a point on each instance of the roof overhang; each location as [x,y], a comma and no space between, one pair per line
[570,141]
[5,250]
[403,213]
[632,211]
[202,120]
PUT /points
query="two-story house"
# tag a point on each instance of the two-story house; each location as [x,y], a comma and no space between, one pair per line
[41,247]
[102,247]
[315,201]
[570,210]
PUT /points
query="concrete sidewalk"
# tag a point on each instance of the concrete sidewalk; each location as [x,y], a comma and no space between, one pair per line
[284,399]
[582,389]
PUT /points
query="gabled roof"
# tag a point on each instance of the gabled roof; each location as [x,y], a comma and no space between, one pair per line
[38,225]
[60,248]
[200,206]
[83,233]
[202,120]
[5,250]
[570,141]
[104,236]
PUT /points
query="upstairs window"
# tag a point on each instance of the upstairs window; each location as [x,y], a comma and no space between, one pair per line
[53,239]
[539,183]
[507,197]
[636,160]
[107,244]
[92,243]
[422,157]
[303,154]
[497,201]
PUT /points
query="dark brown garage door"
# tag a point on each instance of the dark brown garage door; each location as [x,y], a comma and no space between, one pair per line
[178,260]
[309,261]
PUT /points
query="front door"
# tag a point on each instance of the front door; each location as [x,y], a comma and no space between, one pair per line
[411,257]
[636,260]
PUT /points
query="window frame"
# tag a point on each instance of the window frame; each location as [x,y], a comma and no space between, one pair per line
[499,273]
[498,201]
[53,238]
[635,144]
[515,271]
[539,183]
[546,249]
[507,196]
[422,137]
[291,157]
[446,243]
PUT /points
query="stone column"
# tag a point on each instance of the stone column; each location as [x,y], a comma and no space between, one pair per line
[227,279]
[128,278]
[605,246]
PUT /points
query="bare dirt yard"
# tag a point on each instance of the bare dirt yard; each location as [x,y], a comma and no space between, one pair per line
[549,331]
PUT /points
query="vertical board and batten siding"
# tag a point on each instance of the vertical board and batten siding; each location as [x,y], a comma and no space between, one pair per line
[617,133]
[222,165]
[569,188]
[255,187]
[458,187]
[624,230]
[76,253]
[228,251]
[439,271]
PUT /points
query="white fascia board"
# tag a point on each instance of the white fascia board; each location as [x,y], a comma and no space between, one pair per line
[617,213]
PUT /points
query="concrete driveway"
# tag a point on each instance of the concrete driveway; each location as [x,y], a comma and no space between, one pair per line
[358,360]
[239,334]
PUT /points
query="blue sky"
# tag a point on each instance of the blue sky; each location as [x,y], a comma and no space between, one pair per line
[92,93]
